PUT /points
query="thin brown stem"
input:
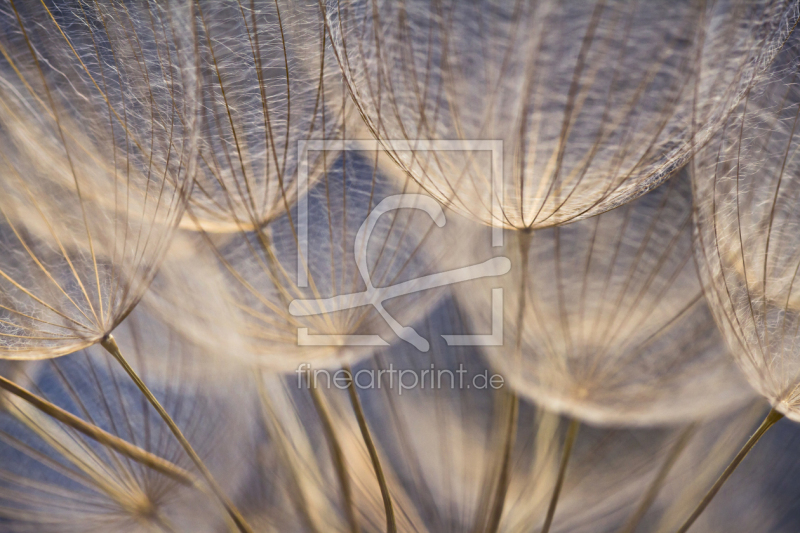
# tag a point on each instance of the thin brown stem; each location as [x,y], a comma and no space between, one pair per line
[569,441]
[505,465]
[101,436]
[391,526]
[281,441]
[337,456]
[658,481]
[111,346]
[772,417]
[501,491]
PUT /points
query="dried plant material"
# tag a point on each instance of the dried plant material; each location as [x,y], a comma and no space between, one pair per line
[55,479]
[365,238]
[770,470]
[98,105]
[335,337]
[270,85]
[686,469]
[439,448]
[746,193]
[606,320]
[595,103]
[192,295]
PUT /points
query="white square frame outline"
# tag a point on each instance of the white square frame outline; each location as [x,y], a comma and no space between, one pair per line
[495,147]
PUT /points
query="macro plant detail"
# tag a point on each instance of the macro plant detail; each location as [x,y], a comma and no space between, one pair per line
[99,114]
[614,327]
[595,102]
[269,82]
[273,266]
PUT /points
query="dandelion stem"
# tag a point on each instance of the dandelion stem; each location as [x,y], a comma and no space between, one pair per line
[278,436]
[499,501]
[111,346]
[658,481]
[337,456]
[101,436]
[391,526]
[572,434]
[773,417]
[505,465]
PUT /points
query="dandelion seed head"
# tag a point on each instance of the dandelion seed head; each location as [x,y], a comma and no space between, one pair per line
[746,232]
[613,328]
[56,479]
[282,322]
[270,84]
[595,103]
[97,148]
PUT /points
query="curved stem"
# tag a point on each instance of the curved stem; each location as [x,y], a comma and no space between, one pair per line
[772,417]
[279,438]
[101,436]
[503,480]
[337,455]
[505,465]
[572,434]
[111,347]
[658,481]
[391,526]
